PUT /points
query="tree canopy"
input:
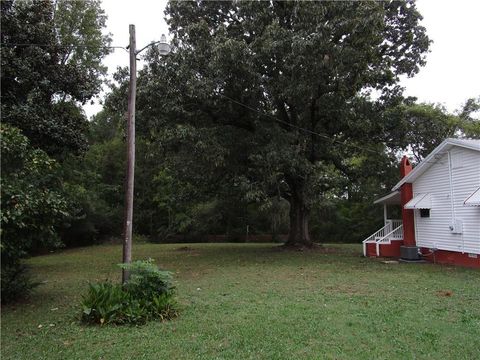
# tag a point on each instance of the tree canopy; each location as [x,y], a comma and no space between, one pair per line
[51,64]
[275,95]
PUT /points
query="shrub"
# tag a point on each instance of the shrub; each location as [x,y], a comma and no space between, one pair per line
[16,282]
[33,208]
[147,295]
[147,280]
[140,239]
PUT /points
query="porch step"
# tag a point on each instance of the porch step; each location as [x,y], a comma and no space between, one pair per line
[387,238]
[385,249]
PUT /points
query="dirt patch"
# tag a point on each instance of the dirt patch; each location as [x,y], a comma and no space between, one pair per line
[445,293]
[316,248]
[185,248]
[301,247]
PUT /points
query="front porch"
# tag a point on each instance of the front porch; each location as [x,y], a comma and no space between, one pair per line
[387,240]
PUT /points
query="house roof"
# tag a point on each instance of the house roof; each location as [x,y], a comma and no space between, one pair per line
[393,198]
[472,144]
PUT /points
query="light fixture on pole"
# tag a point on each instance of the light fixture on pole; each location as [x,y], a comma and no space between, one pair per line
[164,49]
[163,46]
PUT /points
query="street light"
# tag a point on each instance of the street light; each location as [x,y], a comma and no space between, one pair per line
[164,49]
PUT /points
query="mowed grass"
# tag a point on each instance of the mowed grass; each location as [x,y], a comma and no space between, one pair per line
[253,301]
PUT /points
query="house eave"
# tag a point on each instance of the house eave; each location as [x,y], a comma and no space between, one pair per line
[432,158]
[393,198]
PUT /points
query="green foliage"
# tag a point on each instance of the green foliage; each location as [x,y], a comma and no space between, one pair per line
[95,184]
[422,127]
[50,66]
[34,207]
[104,303]
[345,221]
[230,77]
[16,282]
[469,116]
[51,63]
[147,280]
[148,294]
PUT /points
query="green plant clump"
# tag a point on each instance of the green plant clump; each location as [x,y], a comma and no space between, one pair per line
[147,295]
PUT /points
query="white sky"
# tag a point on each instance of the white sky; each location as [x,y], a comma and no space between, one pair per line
[452,73]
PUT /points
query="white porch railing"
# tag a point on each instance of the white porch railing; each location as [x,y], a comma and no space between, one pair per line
[396,234]
[393,230]
[395,223]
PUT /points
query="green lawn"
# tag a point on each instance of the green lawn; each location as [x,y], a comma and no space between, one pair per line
[252,301]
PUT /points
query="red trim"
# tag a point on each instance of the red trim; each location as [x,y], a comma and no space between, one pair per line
[386,250]
[406,194]
[441,256]
[392,249]
[371,250]
[451,258]
[405,166]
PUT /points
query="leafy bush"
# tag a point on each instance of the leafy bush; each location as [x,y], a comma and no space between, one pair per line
[147,280]
[16,282]
[147,295]
[33,208]
[104,303]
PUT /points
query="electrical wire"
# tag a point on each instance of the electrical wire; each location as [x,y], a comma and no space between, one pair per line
[63,46]
[324,136]
[313,132]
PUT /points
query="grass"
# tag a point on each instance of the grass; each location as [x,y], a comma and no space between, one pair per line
[252,301]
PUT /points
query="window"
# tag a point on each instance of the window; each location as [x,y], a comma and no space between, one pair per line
[425,213]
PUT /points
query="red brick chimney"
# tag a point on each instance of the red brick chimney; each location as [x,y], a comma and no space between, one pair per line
[406,194]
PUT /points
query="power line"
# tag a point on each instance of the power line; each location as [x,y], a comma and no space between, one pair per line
[313,132]
[63,46]
[324,136]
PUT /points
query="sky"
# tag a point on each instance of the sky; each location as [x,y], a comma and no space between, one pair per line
[451,75]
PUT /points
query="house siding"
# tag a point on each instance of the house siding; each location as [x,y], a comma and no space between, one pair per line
[434,232]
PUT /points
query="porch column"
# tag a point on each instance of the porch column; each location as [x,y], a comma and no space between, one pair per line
[385,217]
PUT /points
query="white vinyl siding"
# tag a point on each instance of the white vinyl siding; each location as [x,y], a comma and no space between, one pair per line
[434,232]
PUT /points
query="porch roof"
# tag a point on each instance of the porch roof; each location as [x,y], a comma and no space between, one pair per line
[391,199]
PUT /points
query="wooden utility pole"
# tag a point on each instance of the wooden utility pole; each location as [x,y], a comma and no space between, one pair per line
[128,224]
[164,49]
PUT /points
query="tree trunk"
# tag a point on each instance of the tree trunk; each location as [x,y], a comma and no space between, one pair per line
[299,236]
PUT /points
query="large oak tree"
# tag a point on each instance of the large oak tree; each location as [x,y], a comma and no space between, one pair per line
[276,94]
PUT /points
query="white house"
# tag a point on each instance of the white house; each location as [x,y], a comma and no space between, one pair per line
[440,200]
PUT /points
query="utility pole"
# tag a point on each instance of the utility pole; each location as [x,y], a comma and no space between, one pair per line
[128,224]
[163,49]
